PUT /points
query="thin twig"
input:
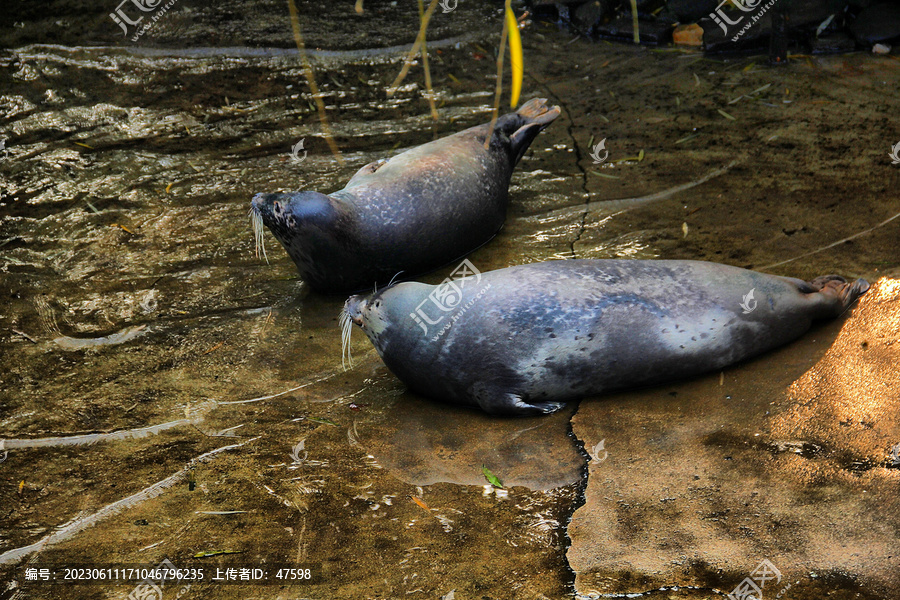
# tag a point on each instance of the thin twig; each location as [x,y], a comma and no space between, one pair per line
[634,22]
[429,92]
[311,80]
[831,245]
[420,39]
[499,89]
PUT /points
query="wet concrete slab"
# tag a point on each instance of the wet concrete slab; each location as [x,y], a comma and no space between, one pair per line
[789,458]
[140,334]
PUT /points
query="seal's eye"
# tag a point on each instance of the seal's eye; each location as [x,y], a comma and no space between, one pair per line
[277,206]
[377,303]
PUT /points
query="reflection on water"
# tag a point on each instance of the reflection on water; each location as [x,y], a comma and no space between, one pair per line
[534,453]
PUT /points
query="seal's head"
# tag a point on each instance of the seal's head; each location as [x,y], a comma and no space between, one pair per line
[297,219]
[381,312]
[366,311]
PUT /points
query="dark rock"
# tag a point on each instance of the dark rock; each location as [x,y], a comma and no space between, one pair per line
[622,28]
[801,19]
[832,44]
[668,17]
[546,10]
[590,14]
[645,6]
[715,39]
[812,13]
[877,23]
[691,11]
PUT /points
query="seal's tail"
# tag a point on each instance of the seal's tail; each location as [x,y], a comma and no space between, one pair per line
[523,125]
[846,292]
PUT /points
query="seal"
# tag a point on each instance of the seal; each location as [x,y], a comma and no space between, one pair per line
[413,213]
[524,340]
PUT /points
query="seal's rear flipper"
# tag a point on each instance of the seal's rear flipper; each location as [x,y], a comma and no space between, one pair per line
[524,125]
[852,291]
[838,287]
[536,112]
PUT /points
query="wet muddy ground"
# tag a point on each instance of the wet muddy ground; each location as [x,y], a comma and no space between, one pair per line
[166,393]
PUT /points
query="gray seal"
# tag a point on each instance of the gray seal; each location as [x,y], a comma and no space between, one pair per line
[524,340]
[418,211]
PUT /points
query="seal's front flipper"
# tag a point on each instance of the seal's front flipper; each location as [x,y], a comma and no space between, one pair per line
[513,405]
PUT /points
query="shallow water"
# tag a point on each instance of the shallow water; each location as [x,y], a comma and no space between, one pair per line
[139,318]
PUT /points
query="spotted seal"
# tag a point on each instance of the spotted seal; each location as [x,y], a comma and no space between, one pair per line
[413,213]
[526,339]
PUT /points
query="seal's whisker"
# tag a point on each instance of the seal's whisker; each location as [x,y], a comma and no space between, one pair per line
[258,231]
[394,278]
[346,326]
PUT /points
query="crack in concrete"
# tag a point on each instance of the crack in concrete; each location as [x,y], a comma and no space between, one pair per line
[580,495]
[578,158]
[587,195]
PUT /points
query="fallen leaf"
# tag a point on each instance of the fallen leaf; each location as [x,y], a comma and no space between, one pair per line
[492,479]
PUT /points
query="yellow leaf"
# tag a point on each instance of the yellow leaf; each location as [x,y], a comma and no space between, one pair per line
[515,55]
